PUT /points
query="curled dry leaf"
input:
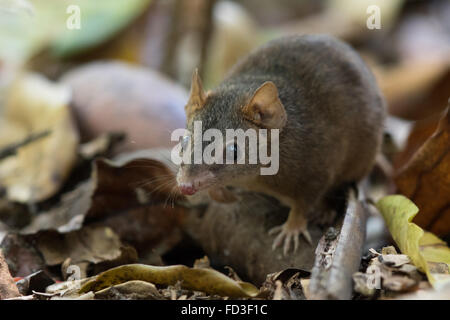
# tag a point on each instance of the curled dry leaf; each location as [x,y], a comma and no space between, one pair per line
[286,284]
[198,279]
[98,248]
[388,271]
[38,169]
[37,281]
[90,244]
[426,180]
[133,195]
[394,260]
[66,289]
[429,253]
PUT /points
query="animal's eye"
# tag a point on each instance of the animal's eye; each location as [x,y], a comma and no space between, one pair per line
[232,151]
[185,143]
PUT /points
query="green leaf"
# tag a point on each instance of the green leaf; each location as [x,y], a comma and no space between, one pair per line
[26,27]
[100,21]
[199,279]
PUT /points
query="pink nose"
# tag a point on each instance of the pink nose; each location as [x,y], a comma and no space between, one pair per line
[187,189]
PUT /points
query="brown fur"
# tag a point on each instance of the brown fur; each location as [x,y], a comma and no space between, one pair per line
[335,115]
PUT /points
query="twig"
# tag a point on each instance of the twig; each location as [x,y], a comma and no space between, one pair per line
[191,20]
[205,33]
[173,38]
[339,256]
[11,149]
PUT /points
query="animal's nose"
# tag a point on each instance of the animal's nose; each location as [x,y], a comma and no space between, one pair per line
[187,188]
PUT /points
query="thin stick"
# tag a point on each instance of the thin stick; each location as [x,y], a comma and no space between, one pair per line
[338,257]
[11,149]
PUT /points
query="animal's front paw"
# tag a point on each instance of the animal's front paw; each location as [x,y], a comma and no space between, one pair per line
[289,232]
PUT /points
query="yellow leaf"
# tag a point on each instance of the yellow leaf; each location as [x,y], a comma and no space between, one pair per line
[38,170]
[198,279]
[429,253]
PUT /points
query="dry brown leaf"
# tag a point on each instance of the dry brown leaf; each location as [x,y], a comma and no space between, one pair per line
[96,248]
[394,260]
[387,271]
[90,244]
[8,288]
[22,258]
[286,284]
[425,180]
[136,179]
[421,131]
[39,168]
[407,84]
[131,195]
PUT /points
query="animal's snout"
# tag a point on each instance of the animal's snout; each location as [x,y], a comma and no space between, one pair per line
[189,185]
[187,188]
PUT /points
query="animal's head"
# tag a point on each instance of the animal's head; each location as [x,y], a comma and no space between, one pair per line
[226,124]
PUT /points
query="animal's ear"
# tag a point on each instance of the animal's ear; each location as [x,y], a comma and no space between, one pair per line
[197,97]
[265,108]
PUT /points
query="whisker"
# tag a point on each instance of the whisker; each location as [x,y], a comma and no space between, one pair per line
[146,182]
[158,188]
[166,163]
